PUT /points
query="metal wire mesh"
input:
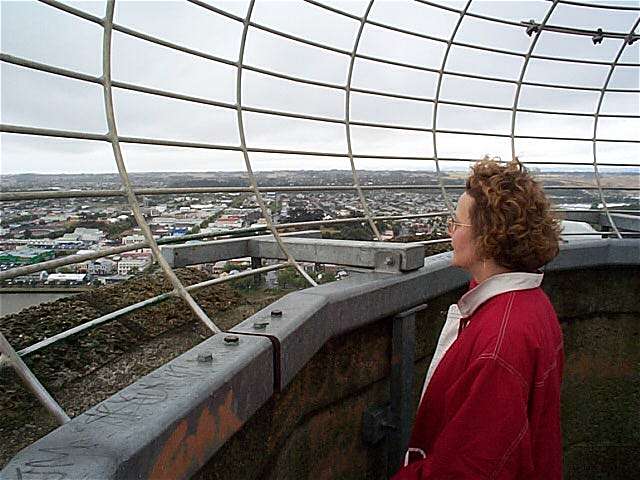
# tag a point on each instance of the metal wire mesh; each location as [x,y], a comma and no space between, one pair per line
[366,25]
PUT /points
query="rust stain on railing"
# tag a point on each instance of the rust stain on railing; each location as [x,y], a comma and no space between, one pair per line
[189,446]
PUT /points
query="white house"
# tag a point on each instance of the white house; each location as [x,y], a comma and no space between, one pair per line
[131,239]
[85,235]
[101,266]
[66,278]
[129,263]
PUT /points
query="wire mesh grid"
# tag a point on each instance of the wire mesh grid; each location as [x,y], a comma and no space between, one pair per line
[354,55]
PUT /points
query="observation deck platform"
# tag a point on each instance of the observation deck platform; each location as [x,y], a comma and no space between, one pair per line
[299,389]
[323,382]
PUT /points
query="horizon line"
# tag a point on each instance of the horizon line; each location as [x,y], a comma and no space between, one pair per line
[577,168]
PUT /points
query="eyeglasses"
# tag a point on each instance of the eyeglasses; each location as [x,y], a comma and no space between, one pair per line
[452,224]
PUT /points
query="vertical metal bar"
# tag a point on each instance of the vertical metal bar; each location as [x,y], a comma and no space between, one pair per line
[245,152]
[596,117]
[434,119]
[347,121]
[32,382]
[520,81]
[256,262]
[403,345]
[179,289]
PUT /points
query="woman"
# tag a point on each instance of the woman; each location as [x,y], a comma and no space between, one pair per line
[490,405]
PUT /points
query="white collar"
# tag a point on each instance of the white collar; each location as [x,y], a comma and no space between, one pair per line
[495,285]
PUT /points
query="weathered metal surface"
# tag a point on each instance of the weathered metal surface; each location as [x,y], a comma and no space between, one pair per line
[375,424]
[386,261]
[205,252]
[300,328]
[627,252]
[597,252]
[165,425]
[365,298]
[344,252]
[311,317]
[255,264]
[623,221]
[216,250]
[392,422]
[582,216]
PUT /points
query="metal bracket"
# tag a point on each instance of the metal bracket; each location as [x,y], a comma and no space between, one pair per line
[392,422]
[598,37]
[388,261]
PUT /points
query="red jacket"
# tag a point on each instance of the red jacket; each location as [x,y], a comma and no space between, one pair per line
[492,407]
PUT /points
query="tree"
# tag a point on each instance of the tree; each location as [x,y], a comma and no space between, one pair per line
[243,283]
[229,267]
[326,277]
[355,231]
[290,278]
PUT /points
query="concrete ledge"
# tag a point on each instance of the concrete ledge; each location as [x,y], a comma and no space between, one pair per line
[596,253]
[170,422]
[165,425]
[623,221]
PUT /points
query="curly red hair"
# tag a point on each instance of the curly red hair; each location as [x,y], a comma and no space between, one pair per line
[512,216]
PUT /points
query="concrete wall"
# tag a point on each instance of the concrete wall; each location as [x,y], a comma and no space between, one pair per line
[600,313]
[313,428]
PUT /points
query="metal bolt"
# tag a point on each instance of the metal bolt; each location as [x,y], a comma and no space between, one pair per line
[260,325]
[598,37]
[389,261]
[205,357]
[532,28]
[276,313]
[232,339]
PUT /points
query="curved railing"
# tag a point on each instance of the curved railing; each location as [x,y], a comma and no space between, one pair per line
[356,55]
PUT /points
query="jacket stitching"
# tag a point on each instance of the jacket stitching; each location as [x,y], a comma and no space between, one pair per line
[510,450]
[506,365]
[513,370]
[545,375]
[505,321]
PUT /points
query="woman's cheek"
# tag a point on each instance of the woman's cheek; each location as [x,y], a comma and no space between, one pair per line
[457,254]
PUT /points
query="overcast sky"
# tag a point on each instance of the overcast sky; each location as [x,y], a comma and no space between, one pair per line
[39,32]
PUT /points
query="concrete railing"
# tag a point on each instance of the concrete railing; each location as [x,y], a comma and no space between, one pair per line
[302,372]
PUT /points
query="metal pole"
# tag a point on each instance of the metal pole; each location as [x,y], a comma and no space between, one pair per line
[256,262]
[124,175]
[31,381]
[403,346]
[245,151]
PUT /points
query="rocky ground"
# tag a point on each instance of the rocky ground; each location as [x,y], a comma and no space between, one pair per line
[88,367]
